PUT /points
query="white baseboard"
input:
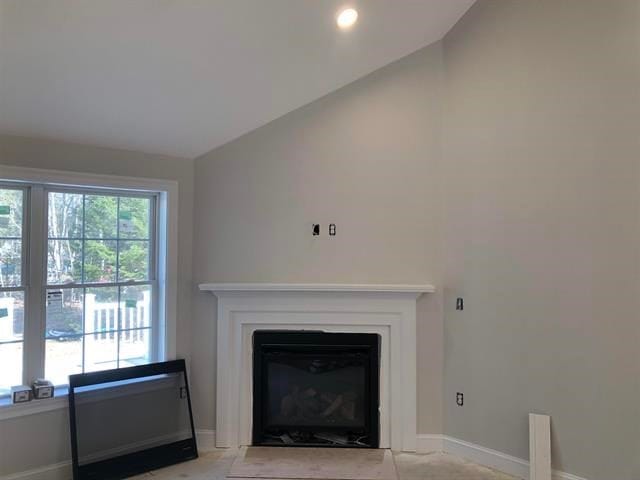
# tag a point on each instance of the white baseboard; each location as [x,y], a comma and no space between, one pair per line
[425,443]
[488,457]
[558,475]
[56,471]
[503,462]
[206,440]
[62,471]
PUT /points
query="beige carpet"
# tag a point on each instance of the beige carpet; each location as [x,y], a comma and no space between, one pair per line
[313,463]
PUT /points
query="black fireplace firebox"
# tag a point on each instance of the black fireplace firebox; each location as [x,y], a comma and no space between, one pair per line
[316,389]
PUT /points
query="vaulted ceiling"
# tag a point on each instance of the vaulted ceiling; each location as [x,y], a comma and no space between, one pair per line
[181,77]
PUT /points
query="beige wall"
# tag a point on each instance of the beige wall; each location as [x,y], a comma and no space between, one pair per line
[35,441]
[542,206]
[17,151]
[367,158]
[525,201]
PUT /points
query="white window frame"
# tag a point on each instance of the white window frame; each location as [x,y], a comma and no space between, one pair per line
[167,262]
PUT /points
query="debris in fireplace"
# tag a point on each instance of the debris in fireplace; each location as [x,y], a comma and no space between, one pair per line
[296,437]
[333,438]
[308,404]
[286,439]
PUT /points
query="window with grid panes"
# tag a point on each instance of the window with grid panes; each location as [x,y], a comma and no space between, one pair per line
[99,282]
[98,302]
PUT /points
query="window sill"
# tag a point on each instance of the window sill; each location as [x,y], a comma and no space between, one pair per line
[91,394]
[12,410]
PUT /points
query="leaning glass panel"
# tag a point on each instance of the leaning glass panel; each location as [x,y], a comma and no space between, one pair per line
[129,421]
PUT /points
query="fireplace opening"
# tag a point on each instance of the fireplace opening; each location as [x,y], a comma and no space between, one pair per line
[316,389]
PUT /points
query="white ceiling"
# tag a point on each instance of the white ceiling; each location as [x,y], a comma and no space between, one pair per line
[181,77]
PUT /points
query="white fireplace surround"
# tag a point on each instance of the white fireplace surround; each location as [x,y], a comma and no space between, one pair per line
[388,310]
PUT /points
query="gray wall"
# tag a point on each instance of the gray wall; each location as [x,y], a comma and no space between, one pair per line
[35,441]
[525,201]
[366,157]
[50,430]
[543,229]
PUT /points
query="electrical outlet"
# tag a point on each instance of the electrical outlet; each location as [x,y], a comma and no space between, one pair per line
[183,392]
[316,229]
[459,303]
[332,229]
[459,399]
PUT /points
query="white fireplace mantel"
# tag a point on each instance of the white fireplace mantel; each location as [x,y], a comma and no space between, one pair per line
[387,310]
[315,287]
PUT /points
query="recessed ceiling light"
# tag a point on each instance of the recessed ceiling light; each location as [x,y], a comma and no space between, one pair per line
[347,17]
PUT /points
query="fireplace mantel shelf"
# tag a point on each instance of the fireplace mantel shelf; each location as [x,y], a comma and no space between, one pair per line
[315,287]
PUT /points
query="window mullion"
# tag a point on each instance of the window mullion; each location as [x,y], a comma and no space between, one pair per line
[157,350]
[34,343]
[119,310]
[84,290]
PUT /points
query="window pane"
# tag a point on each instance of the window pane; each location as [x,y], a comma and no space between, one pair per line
[135,302]
[101,309]
[101,351]
[133,219]
[11,212]
[96,238]
[63,358]
[135,347]
[11,371]
[64,312]
[100,261]
[100,213]
[64,261]
[65,215]
[134,260]
[10,263]
[11,316]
